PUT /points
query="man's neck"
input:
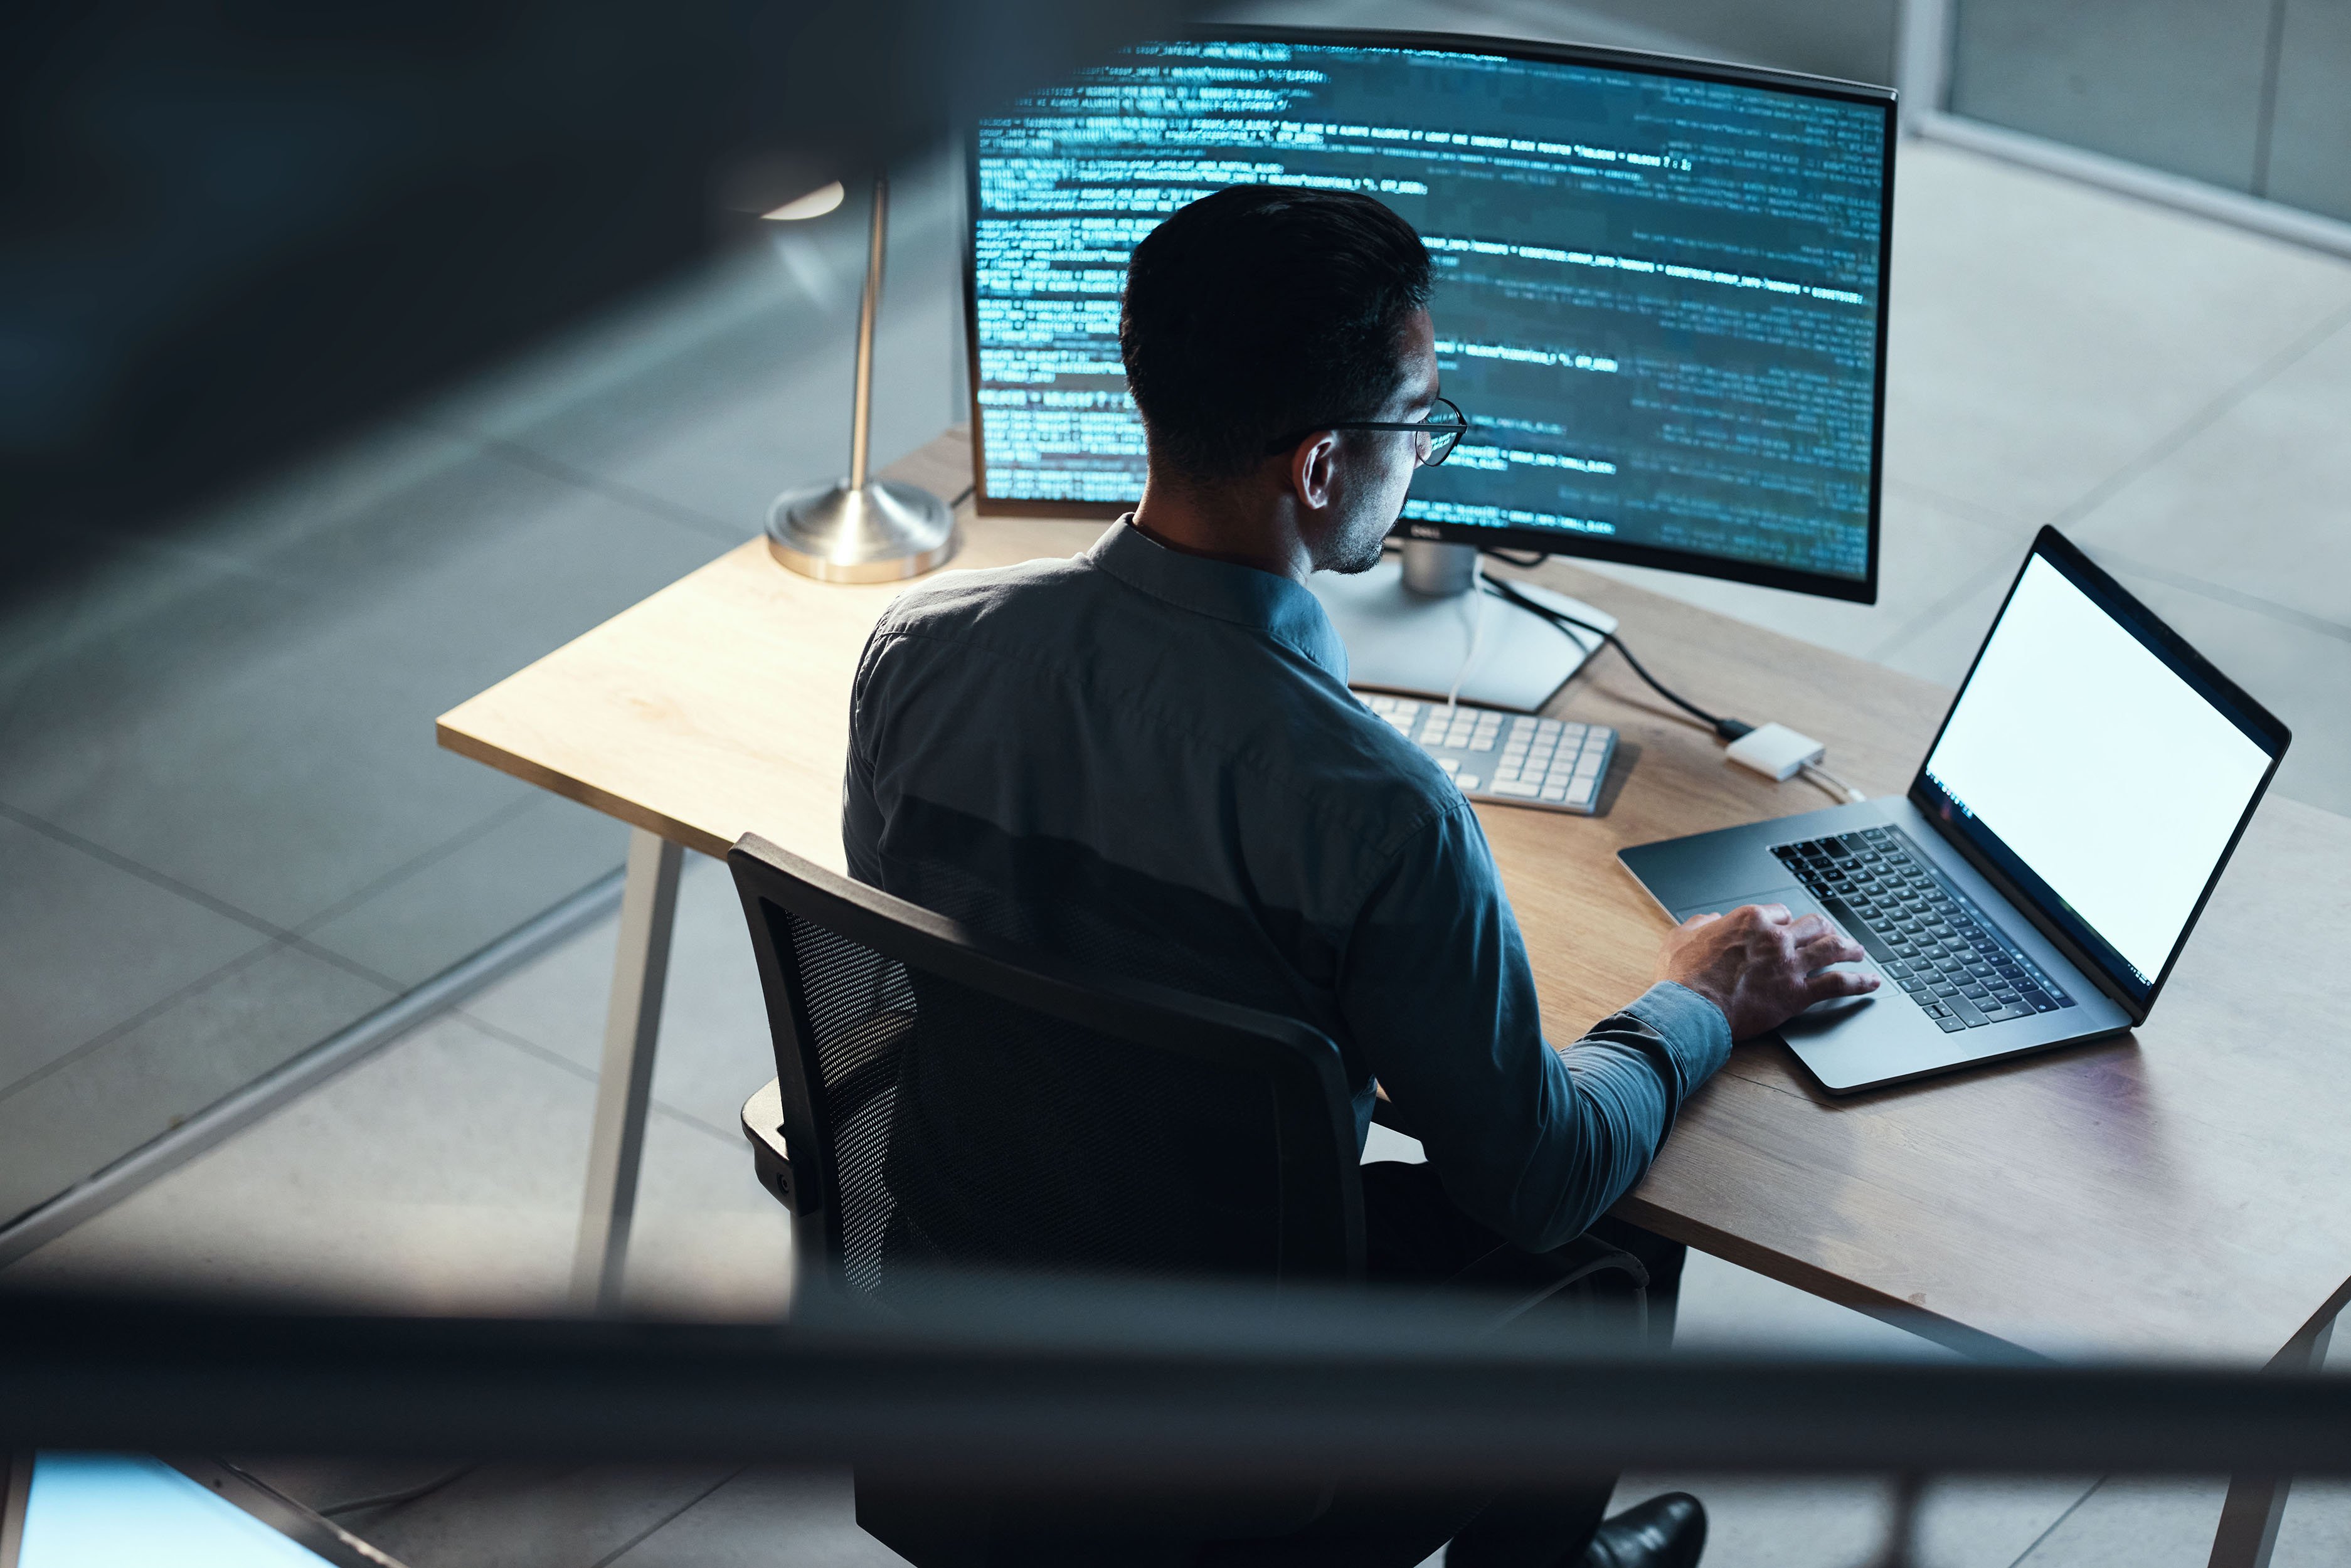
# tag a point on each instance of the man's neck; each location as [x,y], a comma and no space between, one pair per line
[1242,524]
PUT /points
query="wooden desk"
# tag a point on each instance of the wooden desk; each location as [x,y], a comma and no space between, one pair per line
[2177,1191]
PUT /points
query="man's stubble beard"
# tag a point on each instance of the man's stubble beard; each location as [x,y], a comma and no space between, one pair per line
[1360,553]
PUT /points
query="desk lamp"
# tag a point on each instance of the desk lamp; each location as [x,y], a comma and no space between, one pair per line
[860,530]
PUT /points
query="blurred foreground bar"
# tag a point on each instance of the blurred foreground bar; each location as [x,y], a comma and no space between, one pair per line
[1086,1385]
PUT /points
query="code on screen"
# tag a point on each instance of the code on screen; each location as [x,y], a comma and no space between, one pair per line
[1658,300]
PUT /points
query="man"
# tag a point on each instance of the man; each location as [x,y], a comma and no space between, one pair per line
[1147,757]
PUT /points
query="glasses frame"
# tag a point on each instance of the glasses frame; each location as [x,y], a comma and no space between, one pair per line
[1456,427]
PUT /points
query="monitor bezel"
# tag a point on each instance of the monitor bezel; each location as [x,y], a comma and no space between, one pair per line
[2016,880]
[1860,591]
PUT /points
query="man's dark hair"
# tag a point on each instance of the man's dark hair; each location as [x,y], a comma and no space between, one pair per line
[1261,310]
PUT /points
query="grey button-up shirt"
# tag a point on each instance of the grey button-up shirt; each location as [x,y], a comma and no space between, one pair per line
[1150,761]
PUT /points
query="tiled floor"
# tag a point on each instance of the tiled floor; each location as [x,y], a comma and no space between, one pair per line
[2171,392]
[224,830]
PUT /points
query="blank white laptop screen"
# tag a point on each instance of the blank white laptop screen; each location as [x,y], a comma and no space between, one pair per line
[2108,774]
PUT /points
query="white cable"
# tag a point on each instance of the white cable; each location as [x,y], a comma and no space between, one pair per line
[1477,632]
[1833,784]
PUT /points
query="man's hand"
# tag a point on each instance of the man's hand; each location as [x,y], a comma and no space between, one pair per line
[1758,966]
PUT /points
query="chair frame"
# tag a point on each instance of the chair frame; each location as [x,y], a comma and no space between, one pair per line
[1322,1200]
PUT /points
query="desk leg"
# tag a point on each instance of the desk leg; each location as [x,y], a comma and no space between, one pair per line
[624,1087]
[2249,1518]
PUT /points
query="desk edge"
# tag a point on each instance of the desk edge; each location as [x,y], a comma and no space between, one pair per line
[698,840]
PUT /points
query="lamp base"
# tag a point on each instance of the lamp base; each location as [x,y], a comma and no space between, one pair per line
[878,533]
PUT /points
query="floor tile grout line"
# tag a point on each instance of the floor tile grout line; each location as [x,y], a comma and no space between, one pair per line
[2221,594]
[197,896]
[2060,1519]
[223,1119]
[531,1048]
[1937,611]
[2123,477]
[147,1015]
[162,880]
[2201,420]
[705,1495]
[522,456]
[1966,511]
[429,858]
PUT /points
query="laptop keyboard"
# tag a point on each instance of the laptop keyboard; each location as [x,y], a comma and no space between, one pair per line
[1925,935]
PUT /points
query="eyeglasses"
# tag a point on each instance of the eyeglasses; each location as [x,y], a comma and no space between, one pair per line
[1438,434]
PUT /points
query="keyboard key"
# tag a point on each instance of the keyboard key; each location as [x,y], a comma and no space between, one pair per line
[1966,1009]
[1554,792]
[1515,787]
[1951,1026]
[1468,781]
[1580,792]
[1447,763]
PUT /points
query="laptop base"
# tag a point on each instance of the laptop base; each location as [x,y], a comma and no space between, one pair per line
[1864,1042]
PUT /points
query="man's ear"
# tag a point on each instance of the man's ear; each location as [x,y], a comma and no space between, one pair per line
[1313,469]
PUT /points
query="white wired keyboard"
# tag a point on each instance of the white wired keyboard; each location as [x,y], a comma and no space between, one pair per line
[1514,759]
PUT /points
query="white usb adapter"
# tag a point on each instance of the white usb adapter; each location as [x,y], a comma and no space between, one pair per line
[1776,751]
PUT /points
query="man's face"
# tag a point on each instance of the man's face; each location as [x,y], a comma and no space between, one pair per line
[1372,469]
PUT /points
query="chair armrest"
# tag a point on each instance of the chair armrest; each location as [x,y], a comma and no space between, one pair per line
[763,1127]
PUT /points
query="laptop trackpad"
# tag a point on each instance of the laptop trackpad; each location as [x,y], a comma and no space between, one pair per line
[1820,1016]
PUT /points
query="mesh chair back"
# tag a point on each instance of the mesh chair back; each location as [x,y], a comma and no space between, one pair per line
[951,1101]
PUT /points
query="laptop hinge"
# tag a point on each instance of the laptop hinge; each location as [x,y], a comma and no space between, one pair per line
[2017,900]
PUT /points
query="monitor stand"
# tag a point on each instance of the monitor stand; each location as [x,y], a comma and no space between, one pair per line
[1409,624]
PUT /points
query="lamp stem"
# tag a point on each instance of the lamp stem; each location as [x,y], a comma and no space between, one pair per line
[862,419]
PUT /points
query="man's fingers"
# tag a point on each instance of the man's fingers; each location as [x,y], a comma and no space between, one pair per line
[1827,983]
[1828,945]
[1771,913]
[1695,921]
[1805,927]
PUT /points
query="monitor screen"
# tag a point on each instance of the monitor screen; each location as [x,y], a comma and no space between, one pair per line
[2105,760]
[1661,286]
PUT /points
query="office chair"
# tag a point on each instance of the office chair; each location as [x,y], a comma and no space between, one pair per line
[944,1099]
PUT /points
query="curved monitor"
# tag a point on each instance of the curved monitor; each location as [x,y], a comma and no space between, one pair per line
[1661,295]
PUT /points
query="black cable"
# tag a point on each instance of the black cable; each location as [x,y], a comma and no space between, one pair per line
[964,494]
[1728,728]
[407,1494]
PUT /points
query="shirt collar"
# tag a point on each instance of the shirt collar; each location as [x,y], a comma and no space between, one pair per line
[1282,609]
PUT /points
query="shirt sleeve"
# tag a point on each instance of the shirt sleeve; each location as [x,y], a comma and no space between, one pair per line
[1534,1144]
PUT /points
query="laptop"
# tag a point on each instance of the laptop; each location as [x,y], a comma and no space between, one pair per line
[2038,882]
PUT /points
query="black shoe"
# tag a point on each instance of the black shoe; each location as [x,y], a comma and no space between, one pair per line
[1667,1531]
